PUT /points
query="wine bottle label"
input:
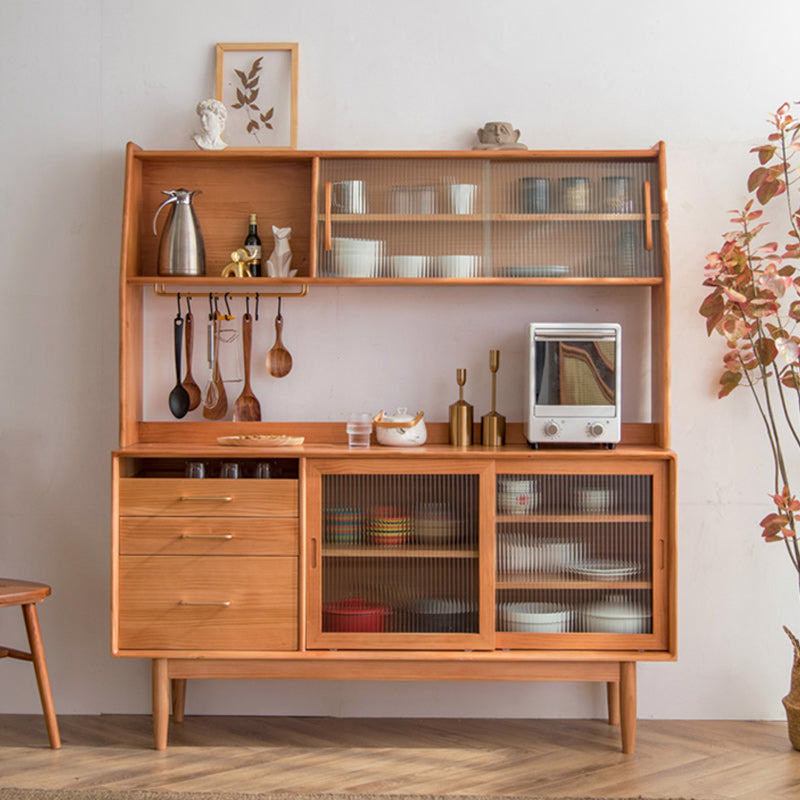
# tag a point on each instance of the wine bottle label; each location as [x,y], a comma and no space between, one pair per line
[255,252]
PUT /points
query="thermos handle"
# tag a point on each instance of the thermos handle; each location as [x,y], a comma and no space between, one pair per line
[172,199]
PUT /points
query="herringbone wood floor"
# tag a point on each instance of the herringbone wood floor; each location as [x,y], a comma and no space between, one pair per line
[558,758]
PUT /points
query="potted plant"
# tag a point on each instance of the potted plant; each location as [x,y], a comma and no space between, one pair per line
[754,305]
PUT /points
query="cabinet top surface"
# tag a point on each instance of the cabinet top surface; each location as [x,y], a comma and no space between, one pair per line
[302,155]
[515,452]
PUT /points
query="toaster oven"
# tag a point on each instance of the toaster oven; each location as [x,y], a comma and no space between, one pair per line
[573,384]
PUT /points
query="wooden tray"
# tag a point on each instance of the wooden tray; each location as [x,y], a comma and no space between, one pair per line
[255,439]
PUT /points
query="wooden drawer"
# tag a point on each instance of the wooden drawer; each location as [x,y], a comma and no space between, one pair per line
[219,536]
[207,603]
[181,497]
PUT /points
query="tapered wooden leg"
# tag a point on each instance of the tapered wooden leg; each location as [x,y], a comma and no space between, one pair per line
[612,692]
[627,705]
[42,678]
[160,703]
[178,698]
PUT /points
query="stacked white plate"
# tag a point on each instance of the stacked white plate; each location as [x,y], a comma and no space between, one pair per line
[535,617]
[357,258]
[603,569]
[518,553]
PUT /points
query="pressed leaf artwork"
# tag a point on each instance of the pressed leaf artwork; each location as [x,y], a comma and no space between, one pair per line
[247,91]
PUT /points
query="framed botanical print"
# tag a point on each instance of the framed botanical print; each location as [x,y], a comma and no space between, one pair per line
[258,85]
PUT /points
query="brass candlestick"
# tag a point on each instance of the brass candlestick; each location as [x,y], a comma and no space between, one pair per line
[461,415]
[493,425]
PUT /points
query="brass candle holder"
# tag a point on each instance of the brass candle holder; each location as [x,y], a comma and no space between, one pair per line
[461,415]
[493,425]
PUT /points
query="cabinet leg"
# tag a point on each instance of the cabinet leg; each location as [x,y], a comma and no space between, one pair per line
[627,705]
[31,618]
[160,703]
[178,698]
[612,692]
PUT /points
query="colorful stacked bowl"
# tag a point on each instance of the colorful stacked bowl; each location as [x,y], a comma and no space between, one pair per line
[344,525]
[389,527]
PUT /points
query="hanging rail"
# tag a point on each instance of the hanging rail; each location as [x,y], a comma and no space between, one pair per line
[161,291]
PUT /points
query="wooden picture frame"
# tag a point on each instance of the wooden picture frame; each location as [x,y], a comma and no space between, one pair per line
[257,82]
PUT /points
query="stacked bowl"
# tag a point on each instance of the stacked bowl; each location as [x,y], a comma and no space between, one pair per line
[389,527]
[535,617]
[343,525]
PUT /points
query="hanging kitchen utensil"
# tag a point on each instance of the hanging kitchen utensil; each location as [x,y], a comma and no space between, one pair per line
[247,408]
[178,397]
[189,383]
[279,360]
[216,401]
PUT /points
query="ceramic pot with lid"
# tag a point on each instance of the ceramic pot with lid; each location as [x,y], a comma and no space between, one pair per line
[401,429]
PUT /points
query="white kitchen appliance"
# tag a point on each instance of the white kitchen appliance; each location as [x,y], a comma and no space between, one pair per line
[573,387]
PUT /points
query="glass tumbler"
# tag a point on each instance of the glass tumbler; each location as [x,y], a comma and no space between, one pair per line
[230,469]
[195,469]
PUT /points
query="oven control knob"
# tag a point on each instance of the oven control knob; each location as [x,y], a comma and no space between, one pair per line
[596,429]
[551,428]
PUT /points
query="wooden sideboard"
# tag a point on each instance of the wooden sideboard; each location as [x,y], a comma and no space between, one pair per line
[392,563]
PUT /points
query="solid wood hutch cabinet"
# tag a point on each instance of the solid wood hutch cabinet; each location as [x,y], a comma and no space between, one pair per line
[399,563]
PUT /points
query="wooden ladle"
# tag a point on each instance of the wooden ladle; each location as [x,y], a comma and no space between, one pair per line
[247,408]
[279,360]
[192,389]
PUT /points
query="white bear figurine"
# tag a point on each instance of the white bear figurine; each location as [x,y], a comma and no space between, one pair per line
[281,257]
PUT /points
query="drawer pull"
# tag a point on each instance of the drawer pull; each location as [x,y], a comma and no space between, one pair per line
[212,499]
[206,536]
[209,603]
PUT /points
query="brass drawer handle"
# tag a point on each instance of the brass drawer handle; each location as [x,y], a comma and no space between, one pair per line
[209,603]
[212,499]
[206,536]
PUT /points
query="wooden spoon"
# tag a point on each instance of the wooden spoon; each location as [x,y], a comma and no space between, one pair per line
[279,360]
[247,408]
[192,389]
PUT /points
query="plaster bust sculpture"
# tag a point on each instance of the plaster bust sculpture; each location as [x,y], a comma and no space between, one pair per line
[499,136]
[213,116]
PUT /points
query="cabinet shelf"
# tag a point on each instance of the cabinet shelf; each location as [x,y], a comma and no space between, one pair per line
[497,217]
[570,518]
[507,582]
[396,552]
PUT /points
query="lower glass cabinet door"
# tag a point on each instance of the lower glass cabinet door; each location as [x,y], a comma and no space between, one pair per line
[576,559]
[395,558]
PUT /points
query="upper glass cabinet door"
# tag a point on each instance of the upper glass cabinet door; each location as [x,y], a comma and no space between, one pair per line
[574,219]
[402,218]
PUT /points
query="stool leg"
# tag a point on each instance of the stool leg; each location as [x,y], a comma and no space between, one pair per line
[40,667]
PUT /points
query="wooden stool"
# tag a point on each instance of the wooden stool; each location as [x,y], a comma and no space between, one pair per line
[27,594]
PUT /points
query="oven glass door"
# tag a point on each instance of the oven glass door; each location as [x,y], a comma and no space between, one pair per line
[575,374]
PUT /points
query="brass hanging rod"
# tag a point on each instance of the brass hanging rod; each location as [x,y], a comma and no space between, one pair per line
[161,291]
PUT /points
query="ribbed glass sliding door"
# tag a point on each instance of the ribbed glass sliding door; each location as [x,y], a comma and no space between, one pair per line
[576,559]
[395,559]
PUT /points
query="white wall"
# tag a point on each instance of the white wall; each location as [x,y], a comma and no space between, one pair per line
[81,77]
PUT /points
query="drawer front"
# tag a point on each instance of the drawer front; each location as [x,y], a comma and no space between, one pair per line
[207,603]
[219,536]
[181,497]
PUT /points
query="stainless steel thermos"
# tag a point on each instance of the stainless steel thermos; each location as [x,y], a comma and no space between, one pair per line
[181,250]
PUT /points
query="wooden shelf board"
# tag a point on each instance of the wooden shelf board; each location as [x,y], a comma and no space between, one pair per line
[399,551]
[586,516]
[497,217]
[508,582]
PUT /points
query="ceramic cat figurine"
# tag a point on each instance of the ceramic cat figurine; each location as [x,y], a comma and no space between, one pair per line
[281,257]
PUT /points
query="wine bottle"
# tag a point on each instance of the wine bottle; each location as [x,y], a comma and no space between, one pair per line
[253,246]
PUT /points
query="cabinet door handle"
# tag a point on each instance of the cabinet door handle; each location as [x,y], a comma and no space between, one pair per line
[663,553]
[328,196]
[648,218]
[210,499]
[206,536]
[208,603]
[313,553]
